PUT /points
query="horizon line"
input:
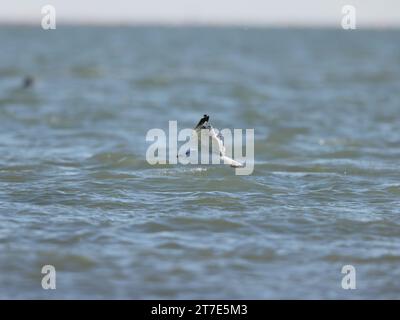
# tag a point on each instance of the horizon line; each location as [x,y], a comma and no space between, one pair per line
[227,24]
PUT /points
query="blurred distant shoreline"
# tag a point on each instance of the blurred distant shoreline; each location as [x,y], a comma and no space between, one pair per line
[198,25]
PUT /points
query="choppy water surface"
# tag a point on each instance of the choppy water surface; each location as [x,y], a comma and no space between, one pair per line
[77,193]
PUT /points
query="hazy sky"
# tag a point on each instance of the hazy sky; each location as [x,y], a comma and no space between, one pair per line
[380,13]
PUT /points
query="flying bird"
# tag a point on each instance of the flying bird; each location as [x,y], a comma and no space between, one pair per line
[217,140]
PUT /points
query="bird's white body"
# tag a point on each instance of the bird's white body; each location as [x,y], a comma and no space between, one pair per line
[217,143]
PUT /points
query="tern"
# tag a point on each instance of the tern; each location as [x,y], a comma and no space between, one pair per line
[217,140]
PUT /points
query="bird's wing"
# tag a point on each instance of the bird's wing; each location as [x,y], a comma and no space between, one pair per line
[231,162]
[217,140]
